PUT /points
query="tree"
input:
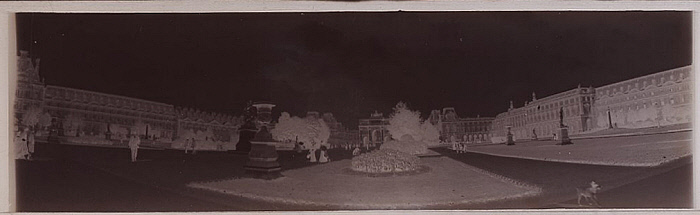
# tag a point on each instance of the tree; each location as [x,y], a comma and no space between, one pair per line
[404,121]
[45,120]
[73,123]
[430,132]
[311,131]
[32,117]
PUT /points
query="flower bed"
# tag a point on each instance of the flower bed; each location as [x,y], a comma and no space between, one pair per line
[385,161]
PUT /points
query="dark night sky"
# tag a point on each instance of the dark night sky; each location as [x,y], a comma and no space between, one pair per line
[351,64]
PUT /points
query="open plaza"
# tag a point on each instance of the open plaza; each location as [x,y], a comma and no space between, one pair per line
[488,176]
[352,111]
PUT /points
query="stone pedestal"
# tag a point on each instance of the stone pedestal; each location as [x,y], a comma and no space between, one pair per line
[564,136]
[262,158]
[246,134]
[510,140]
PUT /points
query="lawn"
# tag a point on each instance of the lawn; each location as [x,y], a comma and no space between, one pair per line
[447,182]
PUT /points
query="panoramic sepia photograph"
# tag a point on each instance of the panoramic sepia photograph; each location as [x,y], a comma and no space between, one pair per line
[329,111]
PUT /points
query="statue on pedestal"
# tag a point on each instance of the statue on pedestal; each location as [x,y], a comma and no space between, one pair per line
[563,130]
[248,129]
[510,140]
[561,117]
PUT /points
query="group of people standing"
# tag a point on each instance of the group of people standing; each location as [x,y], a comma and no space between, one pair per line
[322,158]
[459,147]
[24,143]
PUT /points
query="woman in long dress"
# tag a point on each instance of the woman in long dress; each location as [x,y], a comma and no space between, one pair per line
[323,158]
[134,146]
[312,155]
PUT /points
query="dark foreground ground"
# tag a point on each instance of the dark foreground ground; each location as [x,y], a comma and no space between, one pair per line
[102,180]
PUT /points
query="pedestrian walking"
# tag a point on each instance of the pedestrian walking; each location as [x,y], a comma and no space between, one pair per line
[134,147]
[194,146]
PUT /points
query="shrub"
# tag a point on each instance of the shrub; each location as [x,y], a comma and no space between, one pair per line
[385,161]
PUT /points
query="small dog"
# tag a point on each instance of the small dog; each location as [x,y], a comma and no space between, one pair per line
[589,193]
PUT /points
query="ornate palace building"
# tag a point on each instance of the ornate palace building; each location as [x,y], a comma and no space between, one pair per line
[453,128]
[99,112]
[658,99]
[540,117]
[107,119]
[221,127]
[30,87]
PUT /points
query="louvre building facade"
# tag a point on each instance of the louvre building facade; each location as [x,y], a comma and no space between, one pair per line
[85,117]
[658,99]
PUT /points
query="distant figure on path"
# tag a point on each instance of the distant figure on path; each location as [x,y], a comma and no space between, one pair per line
[134,146]
[194,146]
[30,143]
[554,135]
[188,144]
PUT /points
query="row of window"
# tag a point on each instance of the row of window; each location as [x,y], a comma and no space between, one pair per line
[86,97]
[525,119]
[670,100]
[463,128]
[657,92]
[658,81]
[28,94]
[108,118]
[116,111]
[563,103]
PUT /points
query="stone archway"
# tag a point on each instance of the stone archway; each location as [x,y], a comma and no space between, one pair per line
[376,137]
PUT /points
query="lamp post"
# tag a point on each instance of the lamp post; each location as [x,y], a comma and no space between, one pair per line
[610,125]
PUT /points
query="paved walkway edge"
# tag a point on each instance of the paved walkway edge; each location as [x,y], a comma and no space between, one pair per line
[601,163]
[631,134]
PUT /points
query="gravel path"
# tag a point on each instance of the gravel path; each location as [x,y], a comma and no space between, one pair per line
[638,151]
[558,180]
